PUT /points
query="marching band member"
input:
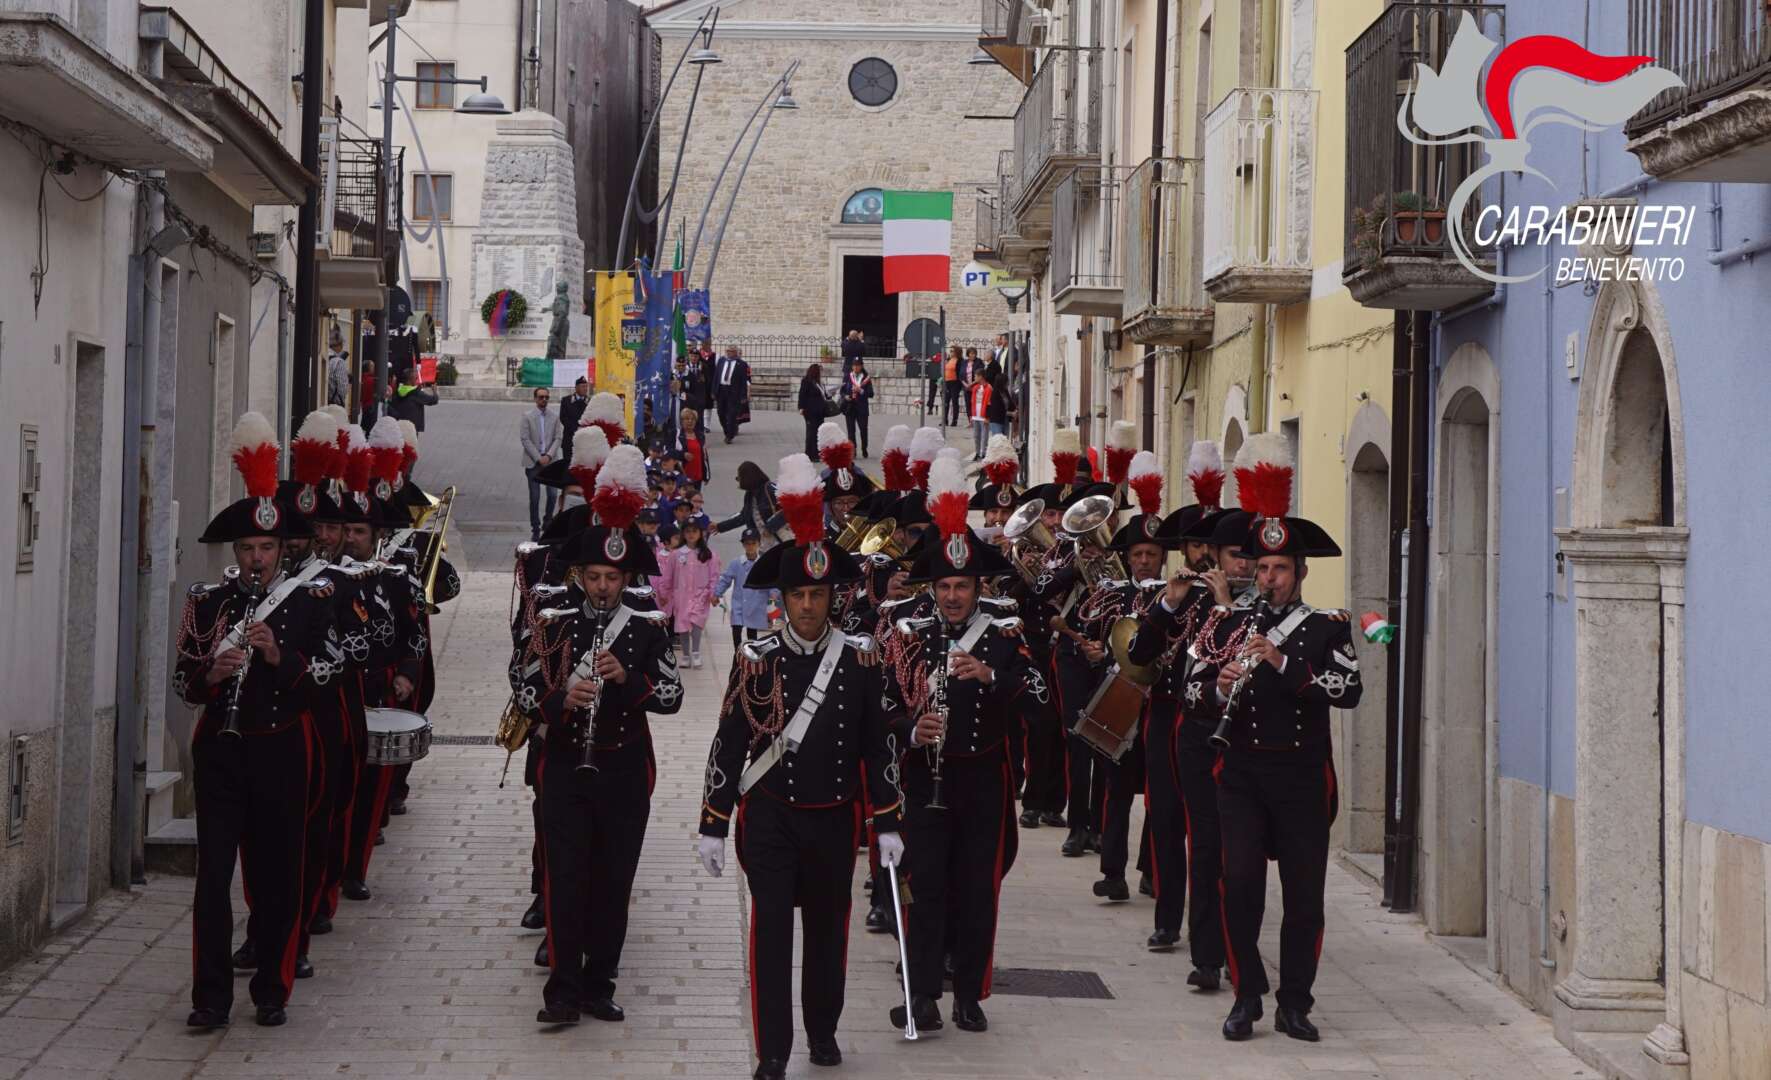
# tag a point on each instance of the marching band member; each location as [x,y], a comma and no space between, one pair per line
[1276,783]
[593,669]
[963,672]
[799,778]
[246,656]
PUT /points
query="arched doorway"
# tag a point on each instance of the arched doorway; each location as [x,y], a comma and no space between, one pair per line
[1458,731]
[862,303]
[1359,744]
[1626,547]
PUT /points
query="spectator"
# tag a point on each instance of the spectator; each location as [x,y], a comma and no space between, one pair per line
[694,455]
[996,412]
[856,394]
[980,413]
[951,388]
[759,504]
[852,348]
[338,370]
[409,400]
[811,406]
[689,573]
[572,413]
[732,392]
[750,607]
[703,362]
[540,433]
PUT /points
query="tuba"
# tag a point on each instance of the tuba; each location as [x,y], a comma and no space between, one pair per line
[1091,519]
[878,539]
[1029,539]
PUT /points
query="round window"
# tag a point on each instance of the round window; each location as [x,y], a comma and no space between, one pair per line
[873,82]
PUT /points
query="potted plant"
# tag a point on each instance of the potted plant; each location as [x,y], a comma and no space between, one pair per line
[1418,220]
[447,373]
[1368,225]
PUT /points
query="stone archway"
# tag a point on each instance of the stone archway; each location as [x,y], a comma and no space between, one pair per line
[1235,423]
[1459,733]
[1626,545]
[1359,744]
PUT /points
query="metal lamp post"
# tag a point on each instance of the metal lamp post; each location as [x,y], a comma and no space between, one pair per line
[699,56]
[783,101]
[773,94]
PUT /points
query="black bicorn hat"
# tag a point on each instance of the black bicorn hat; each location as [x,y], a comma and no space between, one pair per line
[1181,521]
[789,566]
[960,554]
[321,506]
[847,480]
[626,549]
[564,524]
[1052,495]
[256,517]
[1146,529]
[1287,536]
[1224,527]
[995,497]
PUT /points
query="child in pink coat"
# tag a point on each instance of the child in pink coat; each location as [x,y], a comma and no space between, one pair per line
[686,589]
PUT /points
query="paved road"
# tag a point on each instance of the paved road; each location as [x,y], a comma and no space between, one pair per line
[433,977]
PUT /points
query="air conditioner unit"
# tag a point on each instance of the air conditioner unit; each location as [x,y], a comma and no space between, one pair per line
[264,245]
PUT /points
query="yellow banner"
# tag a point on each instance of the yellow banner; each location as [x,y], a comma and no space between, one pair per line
[614,361]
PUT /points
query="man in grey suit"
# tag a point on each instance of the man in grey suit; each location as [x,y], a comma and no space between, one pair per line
[540,433]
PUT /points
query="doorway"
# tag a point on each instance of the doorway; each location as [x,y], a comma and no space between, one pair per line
[1360,748]
[865,305]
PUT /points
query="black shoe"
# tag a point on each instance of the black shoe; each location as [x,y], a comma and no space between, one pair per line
[272,1016]
[206,1018]
[605,1009]
[380,838]
[1145,886]
[968,1016]
[1052,818]
[867,886]
[1205,978]
[320,924]
[774,1068]
[355,890]
[1239,1025]
[824,1051]
[1029,819]
[535,918]
[246,957]
[557,1014]
[1296,1024]
[397,807]
[926,1010]
[878,921]
[1094,841]
[541,957]
[1074,844]
[304,968]
[1163,940]
[1112,888]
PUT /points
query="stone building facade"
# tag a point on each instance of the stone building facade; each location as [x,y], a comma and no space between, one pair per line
[790,263]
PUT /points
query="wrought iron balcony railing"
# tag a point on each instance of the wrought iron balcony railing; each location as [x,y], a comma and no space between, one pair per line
[1164,300]
[1260,182]
[1058,123]
[1717,46]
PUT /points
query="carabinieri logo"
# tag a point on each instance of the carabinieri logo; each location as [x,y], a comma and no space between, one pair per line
[1536,80]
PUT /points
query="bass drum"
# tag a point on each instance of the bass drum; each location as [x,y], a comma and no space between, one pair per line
[1109,722]
[397,736]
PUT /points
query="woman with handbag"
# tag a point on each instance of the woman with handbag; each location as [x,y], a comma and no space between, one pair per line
[813,406]
[857,390]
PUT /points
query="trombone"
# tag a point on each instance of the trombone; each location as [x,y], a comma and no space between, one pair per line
[439,512]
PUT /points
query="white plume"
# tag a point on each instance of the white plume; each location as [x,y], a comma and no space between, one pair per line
[1264,448]
[318,426]
[1067,441]
[409,433]
[338,414]
[830,433]
[1000,449]
[796,476]
[1203,456]
[898,438]
[252,430]
[926,443]
[358,441]
[385,435]
[604,406]
[590,448]
[625,468]
[1124,435]
[947,476]
[1143,463]
[950,453]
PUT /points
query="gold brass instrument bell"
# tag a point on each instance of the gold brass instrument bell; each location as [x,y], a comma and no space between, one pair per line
[880,539]
[1091,519]
[1029,539]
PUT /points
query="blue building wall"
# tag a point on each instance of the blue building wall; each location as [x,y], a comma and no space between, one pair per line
[1720,320]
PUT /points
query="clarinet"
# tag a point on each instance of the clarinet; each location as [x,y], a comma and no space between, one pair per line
[938,705]
[587,762]
[1259,623]
[230,727]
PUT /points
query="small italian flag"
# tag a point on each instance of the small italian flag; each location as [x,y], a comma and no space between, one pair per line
[1376,628]
[917,232]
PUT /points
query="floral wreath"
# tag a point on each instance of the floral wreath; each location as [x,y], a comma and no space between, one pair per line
[502,310]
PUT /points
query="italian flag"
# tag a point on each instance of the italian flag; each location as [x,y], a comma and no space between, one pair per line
[918,240]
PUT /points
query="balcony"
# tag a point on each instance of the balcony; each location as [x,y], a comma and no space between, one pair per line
[1260,180]
[1398,252]
[1718,125]
[1012,31]
[358,220]
[1014,252]
[1057,129]
[986,227]
[1164,301]
[1085,218]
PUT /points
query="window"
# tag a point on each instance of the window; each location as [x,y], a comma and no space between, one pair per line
[863,208]
[427,187]
[427,296]
[436,95]
[873,82]
[30,483]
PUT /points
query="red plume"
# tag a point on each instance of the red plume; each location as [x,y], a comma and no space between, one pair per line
[310,461]
[1118,461]
[1064,467]
[617,507]
[1001,472]
[949,497]
[340,453]
[1208,486]
[614,431]
[1263,476]
[834,450]
[919,474]
[801,497]
[255,451]
[896,464]
[408,457]
[1145,478]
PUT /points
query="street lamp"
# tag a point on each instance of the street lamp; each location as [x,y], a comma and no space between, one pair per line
[980,57]
[779,95]
[701,56]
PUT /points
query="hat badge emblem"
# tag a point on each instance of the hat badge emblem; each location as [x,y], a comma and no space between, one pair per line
[383,489]
[1274,534]
[1151,524]
[615,546]
[265,514]
[1004,496]
[844,479]
[817,561]
[958,550]
[305,501]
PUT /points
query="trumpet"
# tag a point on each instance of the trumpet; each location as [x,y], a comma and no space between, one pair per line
[587,763]
[1258,625]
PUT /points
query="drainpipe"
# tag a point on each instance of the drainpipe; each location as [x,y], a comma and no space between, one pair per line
[1399,429]
[1546,958]
[1414,621]
[313,93]
[1158,124]
[522,18]
[125,769]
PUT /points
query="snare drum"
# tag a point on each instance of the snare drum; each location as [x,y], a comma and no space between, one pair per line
[397,737]
[1109,722]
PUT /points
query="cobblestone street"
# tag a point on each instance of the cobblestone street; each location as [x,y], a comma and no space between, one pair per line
[434,977]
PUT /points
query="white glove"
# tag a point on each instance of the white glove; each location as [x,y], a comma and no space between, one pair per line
[891,849]
[712,851]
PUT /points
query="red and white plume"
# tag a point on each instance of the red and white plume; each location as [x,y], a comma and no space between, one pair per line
[337,413]
[341,443]
[590,450]
[605,411]
[949,496]
[388,448]
[310,452]
[1066,453]
[1001,464]
[924,445]
[834,447]
[620,487]
[896,459]
[1144,476]
[1205,471]
[1122,445]
[1263,475]
[409,445]
[254,449]
[358,461]
[802,498]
